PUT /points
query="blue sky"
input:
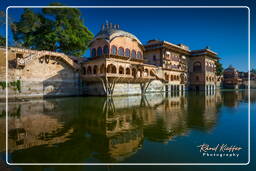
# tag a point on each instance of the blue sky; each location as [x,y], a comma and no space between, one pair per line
[223,30]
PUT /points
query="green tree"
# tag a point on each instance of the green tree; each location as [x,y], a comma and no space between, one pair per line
[2,41]
[219,68]
[2,22]
[54,29]
[253,70]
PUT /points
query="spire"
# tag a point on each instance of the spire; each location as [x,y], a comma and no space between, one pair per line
[102,27]
[109,25]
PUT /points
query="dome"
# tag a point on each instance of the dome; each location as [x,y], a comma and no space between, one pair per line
[230,69]
[109,32]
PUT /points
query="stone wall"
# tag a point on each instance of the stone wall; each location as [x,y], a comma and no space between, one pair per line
[123,89]
[42,77]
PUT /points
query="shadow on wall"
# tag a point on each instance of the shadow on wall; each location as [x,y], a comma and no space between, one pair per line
[65,83]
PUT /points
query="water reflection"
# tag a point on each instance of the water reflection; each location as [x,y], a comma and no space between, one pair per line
[97,129]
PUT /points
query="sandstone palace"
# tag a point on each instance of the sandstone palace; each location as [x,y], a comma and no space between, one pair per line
[119,64]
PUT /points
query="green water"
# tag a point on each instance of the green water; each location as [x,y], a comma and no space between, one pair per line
[155,128]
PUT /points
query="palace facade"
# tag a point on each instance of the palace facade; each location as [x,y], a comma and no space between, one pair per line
[120,65]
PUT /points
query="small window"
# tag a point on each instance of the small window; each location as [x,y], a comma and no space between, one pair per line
[93,53]
[133,53]
[121,51]
[113,50]
[127,52]
[139,56]
[154,58]
[105,50]
[99,51]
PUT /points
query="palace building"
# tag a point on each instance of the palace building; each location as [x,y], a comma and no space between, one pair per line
[119,64]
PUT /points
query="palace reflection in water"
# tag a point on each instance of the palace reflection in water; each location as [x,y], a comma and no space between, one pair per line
[100,129]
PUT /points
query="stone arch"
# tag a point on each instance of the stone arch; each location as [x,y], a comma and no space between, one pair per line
[166,77]
[102,69]
[89,70]
[134,72]
[95,69]
[146,72]
[139,73]
[182,77]
[152,72]
[127,71]
[172,78]
[121,70]
[111,69]
[197,66]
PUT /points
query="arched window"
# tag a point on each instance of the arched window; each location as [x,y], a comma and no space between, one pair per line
[121,70]
[99,51]
[172,78]
[93,52]
[121,51]
[127,52]
[95,69]
[139,56]
[197,67]
[154,58]
[106,50]
[146,72]
[134,72]
[113,50]
[102,69]
[133,53]
[128,71]
[166,77]
[89,70]
[113,69]
[152,73]
[109,69]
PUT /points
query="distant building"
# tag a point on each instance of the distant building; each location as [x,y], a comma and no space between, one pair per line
[231,78]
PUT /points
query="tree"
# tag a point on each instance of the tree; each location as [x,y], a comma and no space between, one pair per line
[2,41]
[219,68]
[253,70]
[2,22]
[54,29]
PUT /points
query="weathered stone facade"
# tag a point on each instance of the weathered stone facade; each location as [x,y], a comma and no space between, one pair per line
[45,74]
[119,65]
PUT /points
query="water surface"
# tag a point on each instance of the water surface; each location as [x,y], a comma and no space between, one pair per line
[155,128]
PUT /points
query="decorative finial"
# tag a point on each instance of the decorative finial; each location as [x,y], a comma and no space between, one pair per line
[102,27]
[207,47]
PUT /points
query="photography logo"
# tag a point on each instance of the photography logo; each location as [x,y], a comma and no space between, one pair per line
[220,150]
